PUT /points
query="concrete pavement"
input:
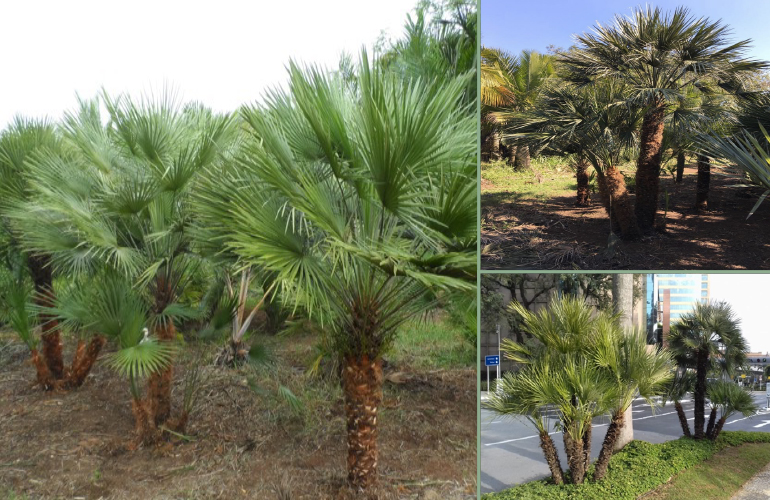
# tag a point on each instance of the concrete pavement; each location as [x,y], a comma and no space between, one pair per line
[511,454]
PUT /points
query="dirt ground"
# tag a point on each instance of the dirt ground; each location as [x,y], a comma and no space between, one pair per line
[243,442]
[522,233]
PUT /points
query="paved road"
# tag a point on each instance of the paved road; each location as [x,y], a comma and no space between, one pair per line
[511,454]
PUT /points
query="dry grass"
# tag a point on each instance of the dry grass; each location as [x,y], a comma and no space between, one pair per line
[243,441]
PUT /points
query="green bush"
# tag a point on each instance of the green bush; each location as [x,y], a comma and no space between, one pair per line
[637,469]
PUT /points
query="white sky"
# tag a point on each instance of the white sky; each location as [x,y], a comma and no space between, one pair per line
[748,295]
[223,53]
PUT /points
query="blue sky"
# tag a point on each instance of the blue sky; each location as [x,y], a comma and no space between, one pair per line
[515,26]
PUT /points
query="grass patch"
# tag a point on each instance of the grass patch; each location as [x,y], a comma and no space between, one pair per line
[721,476]
[639,468]
[549,177]
[540,182]
[435,343]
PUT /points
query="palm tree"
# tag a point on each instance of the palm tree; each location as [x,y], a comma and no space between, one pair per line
[578,389]
[595,125]
[107,305]
[527,393]
[19,143]
[658,55]
[440,41]
[362,205]
[680,384]
[730,399]
[529,76]
[636,370]
[701,336]
[497,94]
[118,198]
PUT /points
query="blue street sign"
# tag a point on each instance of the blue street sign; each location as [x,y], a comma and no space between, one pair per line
[491,360]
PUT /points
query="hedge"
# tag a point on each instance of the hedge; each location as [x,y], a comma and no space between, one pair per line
[637,469]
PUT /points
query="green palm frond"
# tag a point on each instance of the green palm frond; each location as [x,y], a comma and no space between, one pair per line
[17,309]
[745,150]
[731,399]
[658,53]
[143,359]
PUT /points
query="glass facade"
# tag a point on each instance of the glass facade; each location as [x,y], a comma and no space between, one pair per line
[685,289]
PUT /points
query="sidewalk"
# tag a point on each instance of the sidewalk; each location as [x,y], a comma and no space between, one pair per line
[757,488]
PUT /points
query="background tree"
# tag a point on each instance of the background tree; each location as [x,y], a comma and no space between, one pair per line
[526,77]
[497,94]
[746,143]
[658,55]
[701,336]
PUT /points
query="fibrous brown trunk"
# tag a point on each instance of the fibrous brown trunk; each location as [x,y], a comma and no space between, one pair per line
[587,447]
[608,445]
[362,386]
[84,360]
[679,166]
[522,158]
[44,377]
[699,395]
[575,459]
[718,428]
[617,201]
[704,179]
[583,192]
[159,392]
[682,418]
[648,166]
[39,267]
[146,431]
[551,457]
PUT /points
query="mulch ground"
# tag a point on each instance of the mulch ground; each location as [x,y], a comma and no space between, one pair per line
[554,234]
[241,442]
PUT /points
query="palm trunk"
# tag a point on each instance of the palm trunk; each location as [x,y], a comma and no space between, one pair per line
[494,153]
[362,386]
[712,421]
[44,377]
[508,153]
[84,360]
[522,158]
[679,166]
[583,192]
[551,457]
[145,429]
[718,428]
[704,179]
[159,392]
[613,431]
[617,202]
[587,447]
[42,277]
[699,394]
[682,418]
[648,166]
[576,460]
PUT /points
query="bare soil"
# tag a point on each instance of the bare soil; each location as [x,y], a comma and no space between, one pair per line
[524,233]
[243,441]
